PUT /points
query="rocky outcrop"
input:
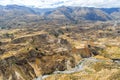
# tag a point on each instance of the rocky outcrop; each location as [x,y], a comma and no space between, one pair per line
[2,51]
[87,51]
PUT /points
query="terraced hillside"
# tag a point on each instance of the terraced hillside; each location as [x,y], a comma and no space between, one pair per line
[60,53]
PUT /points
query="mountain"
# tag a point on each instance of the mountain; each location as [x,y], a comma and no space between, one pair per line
[114,12]
[64,43]
[79,13]
[14,15]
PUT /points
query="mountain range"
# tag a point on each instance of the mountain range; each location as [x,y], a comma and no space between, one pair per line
[15,15]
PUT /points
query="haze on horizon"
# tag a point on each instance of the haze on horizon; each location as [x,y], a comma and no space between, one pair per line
[57,3]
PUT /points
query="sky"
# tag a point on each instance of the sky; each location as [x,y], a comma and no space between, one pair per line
[57,3]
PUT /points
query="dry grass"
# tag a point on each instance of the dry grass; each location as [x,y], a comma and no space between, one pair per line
[103,74]
[111,52]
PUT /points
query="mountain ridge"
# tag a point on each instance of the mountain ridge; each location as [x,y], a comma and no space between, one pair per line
[15,15]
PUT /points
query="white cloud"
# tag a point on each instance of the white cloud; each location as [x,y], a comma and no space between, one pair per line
[56,3]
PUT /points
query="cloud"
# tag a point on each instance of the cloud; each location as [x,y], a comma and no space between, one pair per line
[56,3]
